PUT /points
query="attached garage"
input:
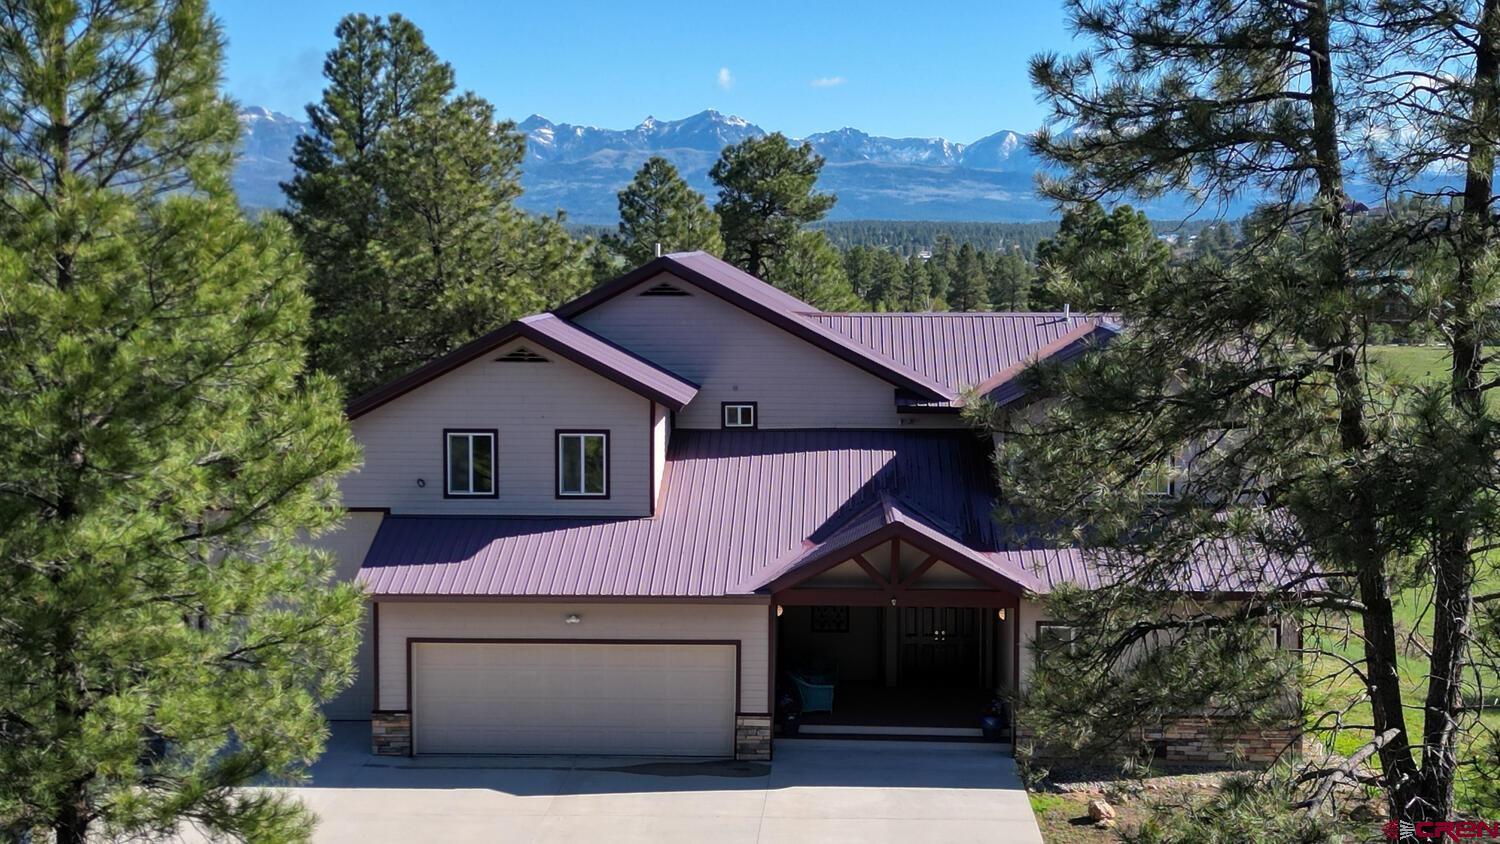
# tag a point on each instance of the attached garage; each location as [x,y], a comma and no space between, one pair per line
[622,697]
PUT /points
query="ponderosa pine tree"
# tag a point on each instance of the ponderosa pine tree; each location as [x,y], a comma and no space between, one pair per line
[1010,281]
[875,275]
[913,293]
[1303,470]
[942,269]
[885,278]
[404,203]
[659,210]
[1095,254]
[969,289]
[766,196]
[813,270]
[165,638]
[859,264]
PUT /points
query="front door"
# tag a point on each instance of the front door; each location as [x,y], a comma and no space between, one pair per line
[939,646]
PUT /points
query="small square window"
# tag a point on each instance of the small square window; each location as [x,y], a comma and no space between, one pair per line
[1162,482]
[469,466]
[583,464]
[1055,637]
[740,415]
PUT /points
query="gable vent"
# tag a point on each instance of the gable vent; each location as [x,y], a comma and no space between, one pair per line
[521,355]
[665,289]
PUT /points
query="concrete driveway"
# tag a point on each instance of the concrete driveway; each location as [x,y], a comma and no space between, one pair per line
[866,792]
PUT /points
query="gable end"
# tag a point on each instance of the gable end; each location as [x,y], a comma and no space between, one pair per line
[521,355]
[664,289]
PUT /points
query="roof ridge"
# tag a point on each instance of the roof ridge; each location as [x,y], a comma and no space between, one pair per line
[964,314]
[769,303]
[1082,333]
[542,330]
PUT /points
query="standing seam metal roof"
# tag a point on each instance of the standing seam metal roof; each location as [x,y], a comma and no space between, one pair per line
[743,506]
[736,502]
[962,350]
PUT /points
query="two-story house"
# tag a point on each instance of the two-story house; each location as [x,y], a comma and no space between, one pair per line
[632,524]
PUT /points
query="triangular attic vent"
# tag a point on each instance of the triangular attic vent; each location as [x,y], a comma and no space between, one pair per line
[521,355]
[665,289]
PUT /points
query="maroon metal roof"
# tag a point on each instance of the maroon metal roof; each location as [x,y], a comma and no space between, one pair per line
[775,306]
[622,366]
[560,337]
[1005,386]
[736,503]
[957,350]
[745,507]
[884,519]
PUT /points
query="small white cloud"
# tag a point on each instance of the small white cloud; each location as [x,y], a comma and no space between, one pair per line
[726,79]
[828,82]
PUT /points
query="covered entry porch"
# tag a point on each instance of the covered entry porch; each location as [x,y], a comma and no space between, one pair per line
[896,630]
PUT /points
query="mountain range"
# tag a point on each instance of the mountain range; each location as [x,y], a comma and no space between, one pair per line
[579,168]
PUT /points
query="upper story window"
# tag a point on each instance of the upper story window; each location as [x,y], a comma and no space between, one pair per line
[582,464]
[469,467]
[740,415]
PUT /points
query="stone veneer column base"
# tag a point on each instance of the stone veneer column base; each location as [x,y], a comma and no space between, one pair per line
[390,733]
[752,738]
[1196,740]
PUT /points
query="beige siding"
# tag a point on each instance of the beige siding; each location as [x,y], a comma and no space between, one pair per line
[660,437]
[1030,613]
[747,623]
[526,403]
[348,545]
[1033,612]
[736,356]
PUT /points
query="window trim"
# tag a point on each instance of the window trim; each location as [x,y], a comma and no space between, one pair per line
[1072,636]
[557,438]
[1170,469]
[724,417]
[494,436]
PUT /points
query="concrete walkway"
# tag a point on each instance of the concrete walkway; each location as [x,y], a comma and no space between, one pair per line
[865,792]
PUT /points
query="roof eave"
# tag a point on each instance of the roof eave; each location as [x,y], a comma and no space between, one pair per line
[1006,377]
[956,554]
[474,349]
[794,324]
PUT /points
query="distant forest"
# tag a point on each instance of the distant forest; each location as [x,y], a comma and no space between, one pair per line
[907,236]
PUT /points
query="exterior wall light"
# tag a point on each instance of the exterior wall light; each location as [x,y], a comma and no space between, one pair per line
[573,619]
[779,609]
[1000,614]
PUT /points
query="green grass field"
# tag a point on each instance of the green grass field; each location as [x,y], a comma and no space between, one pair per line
[1413,614]
[1412,363]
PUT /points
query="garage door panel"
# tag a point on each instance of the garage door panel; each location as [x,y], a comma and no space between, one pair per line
[655,699]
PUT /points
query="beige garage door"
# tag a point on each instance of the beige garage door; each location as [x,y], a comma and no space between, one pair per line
[659,700]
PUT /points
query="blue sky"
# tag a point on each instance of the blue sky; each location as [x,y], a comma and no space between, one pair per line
[956,70]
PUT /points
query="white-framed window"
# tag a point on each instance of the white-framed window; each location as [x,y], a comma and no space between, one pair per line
[1162,483]
[469,464]
[1052,638]
[739,414]
[582,464]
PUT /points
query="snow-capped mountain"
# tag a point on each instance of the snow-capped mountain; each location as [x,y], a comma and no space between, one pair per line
[704,131]
[580,168]
[266,139]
